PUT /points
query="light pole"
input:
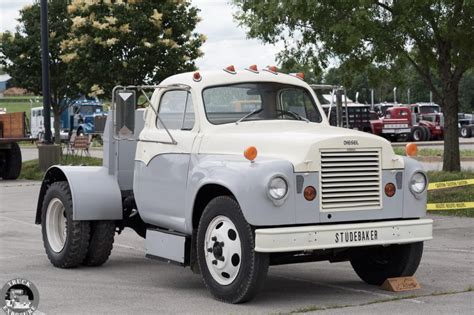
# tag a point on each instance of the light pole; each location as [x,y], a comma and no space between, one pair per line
[48,153]
[45,72]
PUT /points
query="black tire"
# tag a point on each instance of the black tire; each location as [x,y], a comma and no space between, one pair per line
[376,264]
[77,232]
[100,243]
[466,132]
[418,134]
[253,265]
[427,133]
[12,167]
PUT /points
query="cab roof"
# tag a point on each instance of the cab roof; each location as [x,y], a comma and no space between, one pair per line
[212,78]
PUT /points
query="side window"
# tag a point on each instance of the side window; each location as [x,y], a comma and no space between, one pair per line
[176,110]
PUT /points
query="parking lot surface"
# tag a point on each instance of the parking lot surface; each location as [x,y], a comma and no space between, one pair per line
[130,283]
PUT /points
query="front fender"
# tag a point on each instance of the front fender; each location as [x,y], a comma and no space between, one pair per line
[248,183]
[95,194]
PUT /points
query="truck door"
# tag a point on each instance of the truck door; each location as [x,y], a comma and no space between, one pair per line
[160,186]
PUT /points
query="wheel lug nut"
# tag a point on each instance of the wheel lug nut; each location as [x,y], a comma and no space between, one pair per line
[222,244]
[221,258]
[209,249]
[214,262]
[214,238]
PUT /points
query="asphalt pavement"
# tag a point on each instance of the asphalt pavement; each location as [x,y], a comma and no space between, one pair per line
[129,283]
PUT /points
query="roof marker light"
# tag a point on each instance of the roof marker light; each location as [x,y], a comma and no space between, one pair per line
[299,75]
[253,68]
[197,76]
[271,69]
[230,69]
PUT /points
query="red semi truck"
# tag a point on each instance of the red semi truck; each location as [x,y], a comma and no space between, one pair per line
[400,124]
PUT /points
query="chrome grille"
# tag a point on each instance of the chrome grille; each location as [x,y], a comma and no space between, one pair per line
[350,180]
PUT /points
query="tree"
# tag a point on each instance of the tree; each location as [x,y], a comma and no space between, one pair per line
[97,44]
[434,36]
[130,42]
[21,54]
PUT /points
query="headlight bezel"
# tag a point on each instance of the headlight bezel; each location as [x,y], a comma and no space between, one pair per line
[416,193]
[277,200]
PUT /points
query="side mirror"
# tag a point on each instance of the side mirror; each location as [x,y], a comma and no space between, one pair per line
[125,104]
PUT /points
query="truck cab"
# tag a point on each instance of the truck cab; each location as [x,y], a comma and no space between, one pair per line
[83,116]
[228,172]
[396,124]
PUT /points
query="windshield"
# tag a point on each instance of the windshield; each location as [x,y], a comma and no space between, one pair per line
[259,101]
[90,109]
[429,109]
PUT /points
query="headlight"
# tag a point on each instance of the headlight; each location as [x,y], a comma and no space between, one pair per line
[418,183]
[277,188]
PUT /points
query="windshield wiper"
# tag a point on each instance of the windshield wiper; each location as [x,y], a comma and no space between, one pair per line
[255,111]
[299,116]
[294,114]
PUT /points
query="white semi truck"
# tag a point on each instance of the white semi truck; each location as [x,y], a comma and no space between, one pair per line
[230,172]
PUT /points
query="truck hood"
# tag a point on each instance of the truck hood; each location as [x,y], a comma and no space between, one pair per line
[296,141]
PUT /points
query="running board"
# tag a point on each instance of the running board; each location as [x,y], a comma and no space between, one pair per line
[167,246]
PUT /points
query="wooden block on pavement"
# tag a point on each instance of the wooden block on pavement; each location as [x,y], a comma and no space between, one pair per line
[400,284]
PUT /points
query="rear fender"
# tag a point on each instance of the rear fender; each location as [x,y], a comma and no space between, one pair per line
[95,194]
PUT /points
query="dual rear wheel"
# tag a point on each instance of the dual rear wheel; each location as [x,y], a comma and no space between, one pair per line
[70,243]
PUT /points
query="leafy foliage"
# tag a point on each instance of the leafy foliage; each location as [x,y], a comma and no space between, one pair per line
[432,36]
[95,45]
[133,42]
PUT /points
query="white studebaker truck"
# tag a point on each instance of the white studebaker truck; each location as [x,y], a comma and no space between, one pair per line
[229,172]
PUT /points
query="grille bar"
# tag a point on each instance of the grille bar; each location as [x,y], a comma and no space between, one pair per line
[350,180]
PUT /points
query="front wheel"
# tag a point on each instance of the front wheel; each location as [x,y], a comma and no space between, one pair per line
[418,134]
[466,132]
[375,264]
[230,267]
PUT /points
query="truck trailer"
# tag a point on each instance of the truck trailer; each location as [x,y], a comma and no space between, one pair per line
[12,130]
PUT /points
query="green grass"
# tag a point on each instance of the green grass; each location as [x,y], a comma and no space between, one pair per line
[433,152]
[457,194]
[16,106]
[31,170]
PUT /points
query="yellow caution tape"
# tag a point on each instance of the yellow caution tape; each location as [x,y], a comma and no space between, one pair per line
[451,184]
[449,206]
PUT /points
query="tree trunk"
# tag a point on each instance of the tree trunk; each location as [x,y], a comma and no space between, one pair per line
[57,128]
[450,105]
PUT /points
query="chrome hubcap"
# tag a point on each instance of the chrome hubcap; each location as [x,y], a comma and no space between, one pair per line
[223,250]
[56,225]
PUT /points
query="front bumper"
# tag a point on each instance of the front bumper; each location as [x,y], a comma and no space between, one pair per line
[289,239]
[396,130]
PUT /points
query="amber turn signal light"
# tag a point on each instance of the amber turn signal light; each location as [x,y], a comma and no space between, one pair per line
[390,189]
[250,153]
[309,193]
[411,149]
